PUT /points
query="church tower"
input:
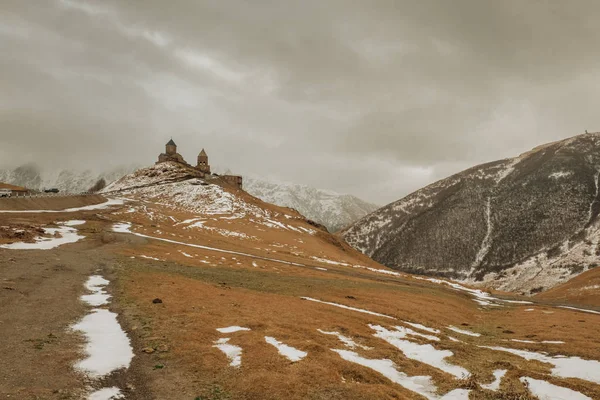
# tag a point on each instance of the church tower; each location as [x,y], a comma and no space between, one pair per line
[171,148]
[203,165]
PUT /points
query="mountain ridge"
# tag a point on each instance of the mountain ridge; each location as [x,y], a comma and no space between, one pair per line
[332,209]
[521,224]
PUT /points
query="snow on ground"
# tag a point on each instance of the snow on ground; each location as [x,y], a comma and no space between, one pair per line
[360,310]
[463,331]
[422,385]
[101,206]
[331,262]
[288,352]
[107,348]
[581,309]
[74,222]
[198,199]
[410,332]
[221,231]
[321,269]
[564,367]
[422,327]
[125,227]
[345,339]
[592,287]
[480,297]
[99,297]
[547,391]
[232,329]
[534,342]
[380,271]
[560,174]
[233,353]
[64,234]
[498,375]
[426,354]
[111,393]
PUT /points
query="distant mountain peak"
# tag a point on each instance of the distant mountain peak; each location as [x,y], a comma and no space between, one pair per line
[332,209]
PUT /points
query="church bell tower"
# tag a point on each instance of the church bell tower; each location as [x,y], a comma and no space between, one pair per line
[203,165]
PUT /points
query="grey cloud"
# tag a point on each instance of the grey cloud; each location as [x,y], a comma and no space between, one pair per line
[372,98]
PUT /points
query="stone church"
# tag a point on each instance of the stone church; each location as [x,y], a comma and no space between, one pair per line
[202,165]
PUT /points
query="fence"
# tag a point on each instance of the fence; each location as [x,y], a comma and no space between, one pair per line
[35,195]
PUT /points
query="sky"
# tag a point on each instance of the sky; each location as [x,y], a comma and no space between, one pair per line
[373,98]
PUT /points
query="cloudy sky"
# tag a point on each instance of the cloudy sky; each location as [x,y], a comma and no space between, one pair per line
[373,98]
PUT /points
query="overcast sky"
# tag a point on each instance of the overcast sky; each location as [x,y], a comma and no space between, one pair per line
[376,98]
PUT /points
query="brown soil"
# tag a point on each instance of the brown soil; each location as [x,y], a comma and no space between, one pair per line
[20,233]
[49,202]
[581,291]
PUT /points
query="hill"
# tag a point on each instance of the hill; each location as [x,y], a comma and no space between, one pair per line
[181,286]
[332,209]
[523,224]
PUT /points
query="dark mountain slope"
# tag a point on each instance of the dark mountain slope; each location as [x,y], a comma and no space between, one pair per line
[519,224]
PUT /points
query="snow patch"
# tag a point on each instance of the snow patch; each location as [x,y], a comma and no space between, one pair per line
[99,297]
[345,339]
[111,393]
[560,174]
[422,327]
[463,331]
[498,375]
[547,391]
[233,353]
[67,234]
[564,367]
[426,354]
[288,352]
[580,309]
[422,385]
[232,329]
[360,310]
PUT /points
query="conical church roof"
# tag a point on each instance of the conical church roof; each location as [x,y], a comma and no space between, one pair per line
[203,153]
[171,143]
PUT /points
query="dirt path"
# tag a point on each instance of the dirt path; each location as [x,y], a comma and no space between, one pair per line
[39,301]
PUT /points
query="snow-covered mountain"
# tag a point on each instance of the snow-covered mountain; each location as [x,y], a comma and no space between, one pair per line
[334,210]
[522,224]
[67,181]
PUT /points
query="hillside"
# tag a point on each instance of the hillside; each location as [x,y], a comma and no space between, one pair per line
[523,224]
[334,210]
[67,181]
[180,287]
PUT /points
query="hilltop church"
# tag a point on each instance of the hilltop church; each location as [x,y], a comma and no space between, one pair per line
[202,165]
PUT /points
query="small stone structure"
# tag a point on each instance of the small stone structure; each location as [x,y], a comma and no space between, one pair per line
[171,154]
[203,166]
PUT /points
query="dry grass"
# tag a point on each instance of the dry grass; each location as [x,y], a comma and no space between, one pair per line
[212,289]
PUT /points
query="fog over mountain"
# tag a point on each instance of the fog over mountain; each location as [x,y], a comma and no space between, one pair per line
[372,99]
[67,181]
[332,209]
